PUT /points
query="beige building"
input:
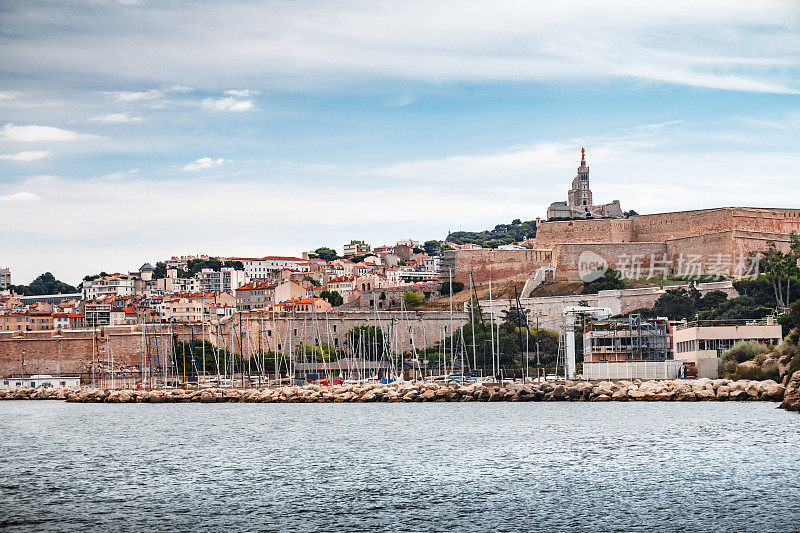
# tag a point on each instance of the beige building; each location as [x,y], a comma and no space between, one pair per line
[261,293]
[5,278]
[703,343]
[306,305]
[199,306]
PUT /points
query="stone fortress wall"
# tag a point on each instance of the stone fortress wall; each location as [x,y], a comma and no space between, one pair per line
[731,232]
[88,352]
[69,352]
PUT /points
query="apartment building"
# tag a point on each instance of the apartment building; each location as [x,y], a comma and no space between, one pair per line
[226,280]
[263,267]
[111,285]
[97,314]
[355,248]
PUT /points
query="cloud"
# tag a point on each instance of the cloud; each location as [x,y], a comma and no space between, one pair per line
[180,89]
[203,163]
[133,96]
[20,197]
[497,186]
[32,155]
[9,95]
[719,44]
[116,176]
[241,92]
[116,117]
[227,104]
[12,132]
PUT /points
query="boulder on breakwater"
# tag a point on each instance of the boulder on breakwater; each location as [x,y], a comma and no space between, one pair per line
[791,398]
[619,391]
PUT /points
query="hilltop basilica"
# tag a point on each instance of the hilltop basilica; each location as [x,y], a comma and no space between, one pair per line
[579,200]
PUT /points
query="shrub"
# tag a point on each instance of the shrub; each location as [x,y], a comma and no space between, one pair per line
[412,299]
[610,280]
[745,351]
[741,352]
[770,371]
[746,372]
[445,289]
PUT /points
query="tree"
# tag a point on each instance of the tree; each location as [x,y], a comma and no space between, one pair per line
[92,277]
[781,267]
[501,234]
[237,265]
[412,299]
[160,271]
[629,214]
[610,280]
[516,317]
[44,284]
[196,265]
[678,304]
[791,320]
[444,290]
[712,300]
[363,340]
[332,297]
[326,254]
[431,247]
[315,353]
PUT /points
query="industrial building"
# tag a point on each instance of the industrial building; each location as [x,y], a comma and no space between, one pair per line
[629,348]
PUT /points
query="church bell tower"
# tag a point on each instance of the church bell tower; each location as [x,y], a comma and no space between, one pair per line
[580,196]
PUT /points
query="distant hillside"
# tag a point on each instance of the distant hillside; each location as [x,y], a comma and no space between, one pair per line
[502,234]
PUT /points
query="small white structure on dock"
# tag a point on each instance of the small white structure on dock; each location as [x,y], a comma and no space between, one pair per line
[41,380]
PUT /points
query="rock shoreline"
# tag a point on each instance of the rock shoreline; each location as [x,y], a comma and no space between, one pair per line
[670,390]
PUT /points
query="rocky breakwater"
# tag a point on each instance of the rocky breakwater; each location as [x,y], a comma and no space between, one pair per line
[791,399]
[671,390]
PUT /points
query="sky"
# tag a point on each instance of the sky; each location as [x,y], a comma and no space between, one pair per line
[132,131]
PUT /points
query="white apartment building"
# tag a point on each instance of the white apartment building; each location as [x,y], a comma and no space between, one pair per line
[261,267]
[226,280]
[5,278]
[113,285]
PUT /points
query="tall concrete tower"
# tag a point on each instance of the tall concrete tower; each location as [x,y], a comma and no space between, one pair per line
[580,196]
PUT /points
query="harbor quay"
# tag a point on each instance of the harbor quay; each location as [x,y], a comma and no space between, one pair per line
[421,391]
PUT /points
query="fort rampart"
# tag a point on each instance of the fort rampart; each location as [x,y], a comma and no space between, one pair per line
[720,237]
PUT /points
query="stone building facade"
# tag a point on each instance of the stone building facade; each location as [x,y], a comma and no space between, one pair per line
[579,202]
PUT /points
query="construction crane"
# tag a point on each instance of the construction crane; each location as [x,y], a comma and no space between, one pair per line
[566,344]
